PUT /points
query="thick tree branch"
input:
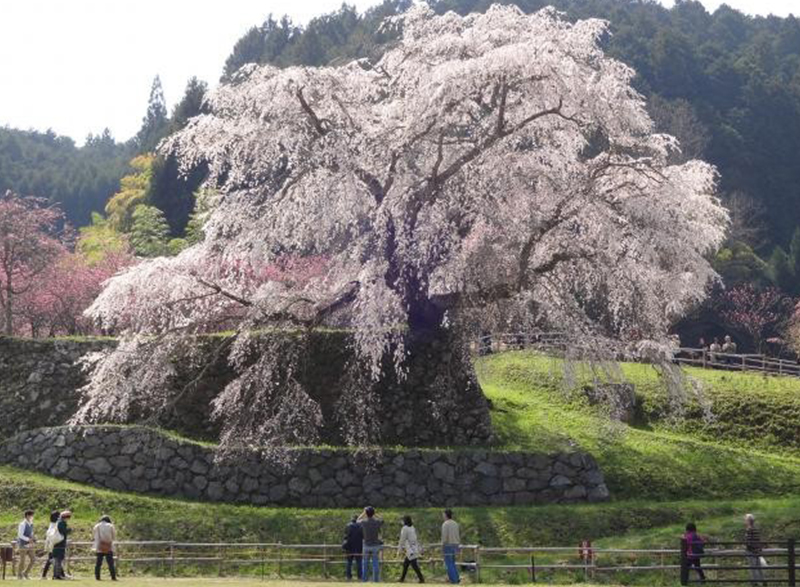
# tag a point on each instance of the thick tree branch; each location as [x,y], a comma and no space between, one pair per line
[315,120]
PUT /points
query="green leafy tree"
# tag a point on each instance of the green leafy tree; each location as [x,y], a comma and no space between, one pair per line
[134,191]
[205,200]
[99,240]
[150,232]
[738,263]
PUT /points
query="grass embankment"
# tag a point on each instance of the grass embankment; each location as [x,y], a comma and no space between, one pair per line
[148,518]
[751,449]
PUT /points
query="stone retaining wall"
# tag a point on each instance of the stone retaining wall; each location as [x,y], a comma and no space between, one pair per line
[146,461]
[40,379]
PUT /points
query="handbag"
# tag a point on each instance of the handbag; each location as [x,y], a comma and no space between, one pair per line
[762,561]
[104,546]
[51,538]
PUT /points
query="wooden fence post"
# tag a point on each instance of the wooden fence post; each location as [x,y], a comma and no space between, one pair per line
[533,569]
[262,549]
[684,562]
[478,563]
[792,563]
[172,558]
[280,559]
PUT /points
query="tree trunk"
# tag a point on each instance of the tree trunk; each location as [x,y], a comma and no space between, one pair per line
[9,324]
[439,402]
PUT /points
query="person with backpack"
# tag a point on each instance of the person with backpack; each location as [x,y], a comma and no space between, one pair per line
[60,548]
[352,545]
[25,542]
[695,549]
[104,535]
[410,545]
[50,541]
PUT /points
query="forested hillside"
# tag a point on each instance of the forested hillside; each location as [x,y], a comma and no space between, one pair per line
[725,83]
[51,166]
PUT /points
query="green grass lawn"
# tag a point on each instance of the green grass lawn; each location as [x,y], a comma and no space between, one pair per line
[657,458]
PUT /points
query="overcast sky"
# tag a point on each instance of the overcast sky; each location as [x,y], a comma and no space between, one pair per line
[78,66]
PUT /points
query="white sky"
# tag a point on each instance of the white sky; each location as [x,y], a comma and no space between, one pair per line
[77,66]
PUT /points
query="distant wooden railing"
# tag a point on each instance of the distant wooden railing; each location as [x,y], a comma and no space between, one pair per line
[556,342]
[736,362]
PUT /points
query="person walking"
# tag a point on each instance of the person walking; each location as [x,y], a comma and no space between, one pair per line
[451,541]
[25,542]
[352,545]
[60,549]
[410,546]
[695,548]
[104,535]
[371,524]
[54,516]
[753,549]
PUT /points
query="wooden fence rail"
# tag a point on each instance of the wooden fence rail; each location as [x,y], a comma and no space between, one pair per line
[479,562]
[556,343]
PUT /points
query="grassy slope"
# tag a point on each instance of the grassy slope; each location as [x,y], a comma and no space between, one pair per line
[146,518]
[657,461]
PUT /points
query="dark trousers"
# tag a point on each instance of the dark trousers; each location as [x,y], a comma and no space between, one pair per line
[414,565]
[695,562]
[109,556]
[353,559]
[47,565]
[58,563]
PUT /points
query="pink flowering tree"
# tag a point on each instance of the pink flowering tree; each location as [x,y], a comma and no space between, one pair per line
[754,311]
[28,245]
[57,298]
[488,168]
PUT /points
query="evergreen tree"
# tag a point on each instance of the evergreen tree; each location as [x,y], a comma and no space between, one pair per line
[150,232]
[155,123]
[190,105]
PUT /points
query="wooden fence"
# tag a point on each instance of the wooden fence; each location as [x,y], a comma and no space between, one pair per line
[480,563]
[723,562]
[556,343]
[729,563]
[268,560]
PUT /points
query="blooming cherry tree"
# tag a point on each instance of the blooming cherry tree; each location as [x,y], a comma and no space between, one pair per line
[489,167]
[28,245]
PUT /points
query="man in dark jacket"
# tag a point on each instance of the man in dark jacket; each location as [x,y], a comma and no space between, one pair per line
[352,545]
[60,549]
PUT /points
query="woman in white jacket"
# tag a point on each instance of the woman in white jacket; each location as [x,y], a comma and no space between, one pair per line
[410,545]
[54,516]
[104,535]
